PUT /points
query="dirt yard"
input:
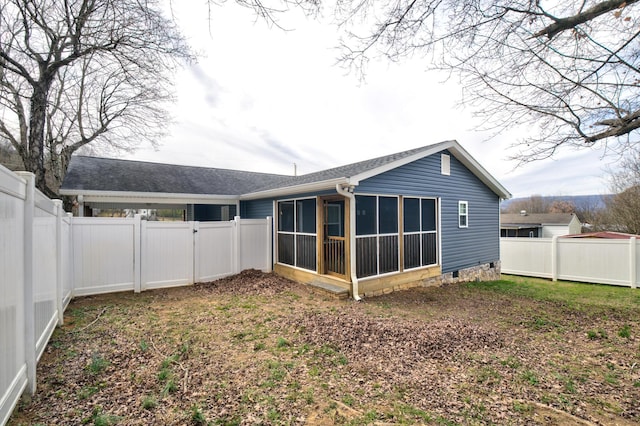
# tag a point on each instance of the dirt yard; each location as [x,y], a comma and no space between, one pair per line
[258,349]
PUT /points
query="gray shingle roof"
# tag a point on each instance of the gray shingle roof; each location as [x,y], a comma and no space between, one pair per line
[106,174]
[536,219]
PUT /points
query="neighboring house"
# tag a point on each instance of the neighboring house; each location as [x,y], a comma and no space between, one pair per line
[538,225]
[425,215]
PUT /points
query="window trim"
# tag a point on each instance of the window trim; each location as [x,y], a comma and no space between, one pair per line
[465,214]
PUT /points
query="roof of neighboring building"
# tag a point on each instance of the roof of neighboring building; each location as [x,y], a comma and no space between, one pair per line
[101,175]
[604,234]
[535,219]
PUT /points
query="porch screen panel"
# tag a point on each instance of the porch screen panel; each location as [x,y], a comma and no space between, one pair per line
[388,253]
[429,249]
[367,259]
[412,251]
[377,238]
[420,239]
[306,251]
[297,233]
[286,249]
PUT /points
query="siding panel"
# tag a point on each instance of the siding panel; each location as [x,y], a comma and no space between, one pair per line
[461,247]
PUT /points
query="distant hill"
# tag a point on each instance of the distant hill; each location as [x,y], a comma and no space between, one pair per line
[580,201]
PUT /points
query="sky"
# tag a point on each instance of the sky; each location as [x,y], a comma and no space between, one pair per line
[263,99]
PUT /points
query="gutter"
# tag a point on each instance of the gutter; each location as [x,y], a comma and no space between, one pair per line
[352,235]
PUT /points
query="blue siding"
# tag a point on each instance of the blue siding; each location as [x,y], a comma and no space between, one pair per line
[461,247]
[259,209]
[256,209]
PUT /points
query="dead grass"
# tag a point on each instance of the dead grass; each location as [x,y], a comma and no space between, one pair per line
[258,349]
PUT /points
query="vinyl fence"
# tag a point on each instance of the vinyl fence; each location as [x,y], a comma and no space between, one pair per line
[47,257]
[600,261]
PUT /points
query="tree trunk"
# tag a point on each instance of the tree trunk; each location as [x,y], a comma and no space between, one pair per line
[37,117]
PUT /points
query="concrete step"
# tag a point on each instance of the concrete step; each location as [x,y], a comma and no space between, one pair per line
[333,290]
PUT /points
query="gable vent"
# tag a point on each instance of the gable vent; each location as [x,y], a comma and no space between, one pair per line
[445,164]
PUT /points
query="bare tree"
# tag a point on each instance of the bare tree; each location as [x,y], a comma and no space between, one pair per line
[568,68]
[533,204]
[623,207]
[80,72]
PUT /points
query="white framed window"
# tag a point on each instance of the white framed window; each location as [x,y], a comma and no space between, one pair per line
[463,214]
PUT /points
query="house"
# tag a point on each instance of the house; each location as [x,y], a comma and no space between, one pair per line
[538,225]
[425,215]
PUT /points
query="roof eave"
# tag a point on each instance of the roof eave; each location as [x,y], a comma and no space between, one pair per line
[150,197]
[298,189]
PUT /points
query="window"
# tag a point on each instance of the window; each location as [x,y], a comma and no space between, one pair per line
[297,233]
[420,238]
[463,214]
[377,238]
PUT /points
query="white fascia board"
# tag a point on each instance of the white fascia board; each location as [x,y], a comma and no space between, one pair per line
[150,197]
[298,189]
[456,149]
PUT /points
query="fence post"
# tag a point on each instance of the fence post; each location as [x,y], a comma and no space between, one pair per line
[29,309]
[236,245]
[554,258]
[633,268]
[137,255]
[196,252]
[269,243]
[59,290]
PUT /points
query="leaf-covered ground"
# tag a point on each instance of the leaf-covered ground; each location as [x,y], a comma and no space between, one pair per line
[258,349]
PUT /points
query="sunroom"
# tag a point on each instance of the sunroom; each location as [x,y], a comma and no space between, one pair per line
[395,238]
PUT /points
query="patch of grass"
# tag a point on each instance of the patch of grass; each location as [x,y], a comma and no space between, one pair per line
[599,334]
[259,346]
[488,375]
[164,374]
[625,331]
[273,415]
[571,294]
[149,402]
[530,377]
[282,343]
[404,413]
[169,387]
[97,365]
[197,417]
[522,407]
[348,400]
[144,346]
[511,362]
[100,419]
[88,392]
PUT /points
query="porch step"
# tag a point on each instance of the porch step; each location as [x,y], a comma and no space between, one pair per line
[336,291]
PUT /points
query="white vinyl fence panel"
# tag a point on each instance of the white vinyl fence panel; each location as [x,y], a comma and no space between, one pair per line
[215,257]
[601,261]
[167,254]
[254,237]
[534,257]
[44,270]
[13,370]
[103,255]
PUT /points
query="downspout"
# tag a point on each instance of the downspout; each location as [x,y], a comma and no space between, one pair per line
[352,234]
